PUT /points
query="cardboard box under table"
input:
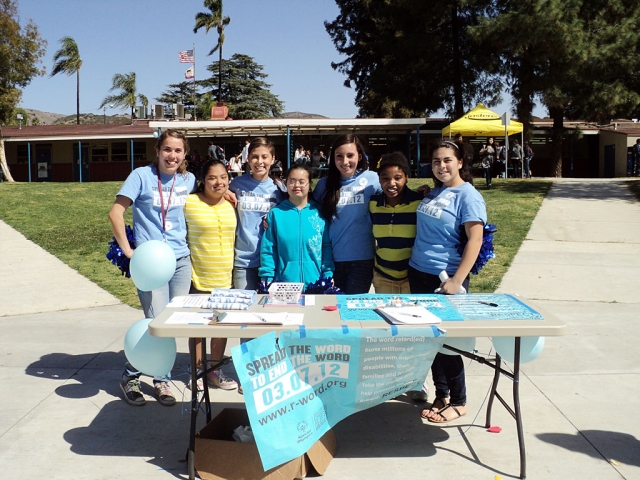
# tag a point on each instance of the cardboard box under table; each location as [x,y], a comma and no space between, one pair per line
[219,457]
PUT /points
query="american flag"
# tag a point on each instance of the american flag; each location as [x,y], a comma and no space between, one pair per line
[186,56]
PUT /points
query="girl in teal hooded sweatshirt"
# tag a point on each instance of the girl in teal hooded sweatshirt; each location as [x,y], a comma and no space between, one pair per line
[296,247]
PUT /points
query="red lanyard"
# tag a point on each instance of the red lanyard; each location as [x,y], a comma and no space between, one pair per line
[164,212]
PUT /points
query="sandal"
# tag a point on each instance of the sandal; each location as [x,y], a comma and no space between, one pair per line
[438,404]
[448,413]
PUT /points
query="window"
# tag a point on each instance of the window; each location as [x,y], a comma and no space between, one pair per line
[99,152]
[22,155]
[119,152]
[140,151]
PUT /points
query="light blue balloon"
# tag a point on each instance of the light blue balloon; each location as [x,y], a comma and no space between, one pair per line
[152,265]
[530,348]
[154,356]
[465,344]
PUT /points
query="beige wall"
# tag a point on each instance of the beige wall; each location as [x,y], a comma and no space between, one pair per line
[620,142]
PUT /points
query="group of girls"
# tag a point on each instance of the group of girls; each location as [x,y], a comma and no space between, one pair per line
[289,232]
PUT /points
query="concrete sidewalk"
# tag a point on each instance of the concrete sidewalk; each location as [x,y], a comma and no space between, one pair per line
[61,357]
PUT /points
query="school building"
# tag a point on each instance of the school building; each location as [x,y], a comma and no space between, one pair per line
[82,153]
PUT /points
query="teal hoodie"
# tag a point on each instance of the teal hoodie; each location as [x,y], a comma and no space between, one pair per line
[296,247]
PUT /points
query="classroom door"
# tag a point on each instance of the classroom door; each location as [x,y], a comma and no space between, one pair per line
[43,164]
[609,161]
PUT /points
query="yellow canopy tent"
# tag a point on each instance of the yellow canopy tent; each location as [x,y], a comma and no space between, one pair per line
[480,122]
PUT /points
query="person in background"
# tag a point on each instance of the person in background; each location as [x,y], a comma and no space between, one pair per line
[528,156]
[487,154]
[453,206]
[296,247]
[157,194]
[468,149]
[315,160]
[235,165]
[257,194]
[344,196]
[516,159]
[211,226]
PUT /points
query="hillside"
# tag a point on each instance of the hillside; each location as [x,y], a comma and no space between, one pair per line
[47,118]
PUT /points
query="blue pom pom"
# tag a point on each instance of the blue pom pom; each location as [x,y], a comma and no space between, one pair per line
[116,256]
[263,287]
[324,286]
[486,249]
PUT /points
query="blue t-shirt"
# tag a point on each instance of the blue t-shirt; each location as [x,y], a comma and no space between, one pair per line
[141,187]
[255,199]
[440,217]
[351,230]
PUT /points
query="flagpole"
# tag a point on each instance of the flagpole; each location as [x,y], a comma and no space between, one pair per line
[195,115]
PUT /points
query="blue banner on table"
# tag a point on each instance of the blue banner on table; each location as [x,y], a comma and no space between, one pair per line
[277,401]
[298,388]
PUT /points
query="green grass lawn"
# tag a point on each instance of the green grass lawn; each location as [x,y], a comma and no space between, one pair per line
[69,220]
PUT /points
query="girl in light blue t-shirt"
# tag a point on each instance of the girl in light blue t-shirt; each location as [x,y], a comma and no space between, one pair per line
[452,208]
[157,194]
[256,194]
[344,196]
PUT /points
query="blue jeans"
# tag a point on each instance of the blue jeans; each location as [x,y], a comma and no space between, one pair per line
[353,277]
[488,176]
[155,301]
[246,278]
[447,370]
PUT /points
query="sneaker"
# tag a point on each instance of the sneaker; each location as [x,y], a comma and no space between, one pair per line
[163,394]
[218,379]
[131,389]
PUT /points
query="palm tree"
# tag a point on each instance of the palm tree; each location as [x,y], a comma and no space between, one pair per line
[209,21]
[127,97]
[67,60]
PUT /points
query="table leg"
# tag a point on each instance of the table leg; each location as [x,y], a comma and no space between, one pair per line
[194,409]
[207,402]
[494,390]
[516,408]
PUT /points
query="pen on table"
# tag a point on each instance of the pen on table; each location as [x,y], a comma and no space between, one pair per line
[410,315]
[491,304]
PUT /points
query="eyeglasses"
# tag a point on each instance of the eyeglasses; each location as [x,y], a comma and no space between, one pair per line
[300,183]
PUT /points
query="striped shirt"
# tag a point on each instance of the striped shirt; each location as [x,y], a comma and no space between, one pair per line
[211,236]
[394,229]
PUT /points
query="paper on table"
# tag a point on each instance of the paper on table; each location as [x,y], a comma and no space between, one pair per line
[248,318]
[189,318]
[189,301]
[408,315]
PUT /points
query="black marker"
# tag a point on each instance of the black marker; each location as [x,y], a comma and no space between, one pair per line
[491,304]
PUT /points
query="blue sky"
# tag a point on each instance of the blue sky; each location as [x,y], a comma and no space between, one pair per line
[120,36]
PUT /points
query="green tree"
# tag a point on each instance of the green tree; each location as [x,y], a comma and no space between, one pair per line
[14,122]
[408,58]
[183,93]
[21,52]
[216,20]
[577,56]
[67,60]
[244,87]
[128,96]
